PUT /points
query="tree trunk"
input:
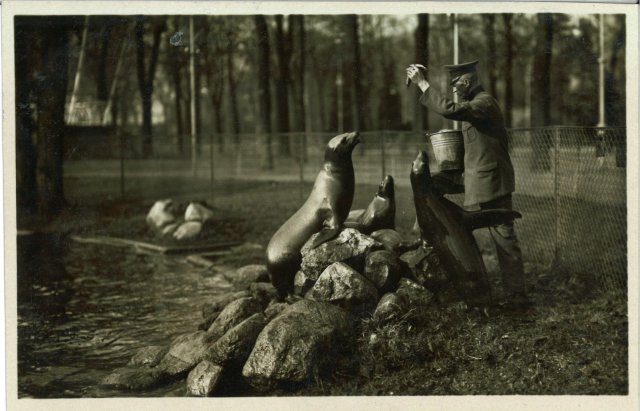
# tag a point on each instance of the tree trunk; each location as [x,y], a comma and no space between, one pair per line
[176,80]
[420,115]
[263,125]
[50,123]
[102,87]
[490,30]
[508,71]
[357,104]
[146,77]
[541,91]
[233,95]
[26,194]
[283,51]
[296,26]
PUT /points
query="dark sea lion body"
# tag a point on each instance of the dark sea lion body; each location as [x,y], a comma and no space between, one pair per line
[326,208]
[380,213]
[448,229]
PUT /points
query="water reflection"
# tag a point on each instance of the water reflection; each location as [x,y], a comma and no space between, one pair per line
[84,309]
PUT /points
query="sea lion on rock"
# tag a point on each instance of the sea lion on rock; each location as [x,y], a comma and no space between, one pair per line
[448,229]
[325,210]
[381,212]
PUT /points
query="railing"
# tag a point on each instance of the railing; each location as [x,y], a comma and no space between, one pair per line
[570,181]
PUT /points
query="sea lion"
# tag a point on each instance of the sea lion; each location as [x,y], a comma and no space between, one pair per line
[448,229]
[325,210]
[381,212]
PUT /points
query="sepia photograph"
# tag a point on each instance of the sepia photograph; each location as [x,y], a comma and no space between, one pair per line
[410,201]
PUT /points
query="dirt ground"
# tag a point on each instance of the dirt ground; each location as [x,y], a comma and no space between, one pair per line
[574,340]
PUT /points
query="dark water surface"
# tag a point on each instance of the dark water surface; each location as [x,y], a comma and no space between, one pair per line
[83,310]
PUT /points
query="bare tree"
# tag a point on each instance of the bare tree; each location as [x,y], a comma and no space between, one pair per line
[357,104]
[508,70]
[541,90]
[490,31]
[146,72]
[263,126]
[296,26]
[283,80]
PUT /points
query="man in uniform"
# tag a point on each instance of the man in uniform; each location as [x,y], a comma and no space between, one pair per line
[489,179]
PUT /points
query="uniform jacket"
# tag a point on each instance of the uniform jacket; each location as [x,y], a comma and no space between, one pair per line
[488,172]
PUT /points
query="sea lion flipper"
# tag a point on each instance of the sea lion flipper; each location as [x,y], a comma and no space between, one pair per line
[326,234]
[489,218]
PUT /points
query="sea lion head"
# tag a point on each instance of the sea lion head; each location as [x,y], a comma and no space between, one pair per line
[420,174]
[386,188]
[341,146]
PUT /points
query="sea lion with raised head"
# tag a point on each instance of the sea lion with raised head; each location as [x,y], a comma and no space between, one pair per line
[324,211]
[448,229]
[380,213]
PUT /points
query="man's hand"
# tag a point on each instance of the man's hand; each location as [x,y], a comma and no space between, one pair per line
[415,74]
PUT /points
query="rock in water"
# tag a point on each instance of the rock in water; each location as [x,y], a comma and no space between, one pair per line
[203,379]
[382,269]
[185,352]
[148,356]
[233,314]
[134,379]
[197,211]
[341,285]
[160,214]
[306,339]
[233,348]
[350,247]
[188,230]
[170,228]
[390,307]
[244,276]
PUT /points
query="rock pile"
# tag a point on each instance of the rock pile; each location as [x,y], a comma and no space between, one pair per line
[247,335]
[171,219]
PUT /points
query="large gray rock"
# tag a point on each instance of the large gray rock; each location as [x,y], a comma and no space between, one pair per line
[305,340]
[390,307]
[414,293]
[341,285]
[219,302]
[185,352]
[265,293]
[424,266]
[350,247]
[188,230]
[302,283]
[206,323]
[274,310]
[244,276]
[203,379]
[233,348]
[383,270]
[198,212]
[135,379]
[161,214]
[390,239]
[148,356]
[169,229]
[233,314]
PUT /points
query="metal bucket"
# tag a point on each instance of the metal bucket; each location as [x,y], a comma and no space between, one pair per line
[448,149]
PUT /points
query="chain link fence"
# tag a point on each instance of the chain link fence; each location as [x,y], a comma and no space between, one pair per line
[570,181]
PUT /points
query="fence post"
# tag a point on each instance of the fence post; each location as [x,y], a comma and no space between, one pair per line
[382,155]
[556,190]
